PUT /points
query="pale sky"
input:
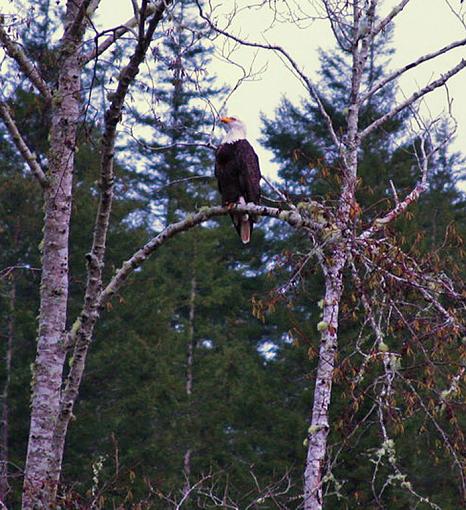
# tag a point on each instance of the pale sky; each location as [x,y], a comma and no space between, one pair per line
[423,26]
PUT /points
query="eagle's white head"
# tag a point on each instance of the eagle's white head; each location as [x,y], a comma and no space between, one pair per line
[236,129]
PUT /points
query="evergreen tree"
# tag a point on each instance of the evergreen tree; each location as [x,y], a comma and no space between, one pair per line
[177,154]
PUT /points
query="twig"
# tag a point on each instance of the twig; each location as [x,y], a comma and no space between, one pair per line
[278,49]
[414,97]
[395,74]
[278,192]
[395,194]
[117,33]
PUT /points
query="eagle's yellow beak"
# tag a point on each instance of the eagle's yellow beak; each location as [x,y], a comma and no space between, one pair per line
[226,120]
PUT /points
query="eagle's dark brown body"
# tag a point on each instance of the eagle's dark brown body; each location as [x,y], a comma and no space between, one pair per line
[238,175]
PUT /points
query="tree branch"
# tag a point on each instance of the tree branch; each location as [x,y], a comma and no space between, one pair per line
[118,32]
[423,162]
[420,93]
[394,12]
[400,208]
[82,330]
[29,157]
[278,49]
[112,118]
[76,23]
[395,74]
[291,217]
[15,51]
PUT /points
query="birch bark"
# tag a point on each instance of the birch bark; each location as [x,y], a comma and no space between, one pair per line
[39,486]
[318,431]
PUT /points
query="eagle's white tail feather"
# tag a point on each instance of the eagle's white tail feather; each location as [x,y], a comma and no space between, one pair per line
[245,231]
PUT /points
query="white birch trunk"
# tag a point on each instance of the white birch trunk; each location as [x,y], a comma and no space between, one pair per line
[318,431]
[333,271]
[39,483]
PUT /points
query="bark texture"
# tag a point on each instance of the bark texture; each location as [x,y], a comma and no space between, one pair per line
[318,431]
[334,264]
[40,480]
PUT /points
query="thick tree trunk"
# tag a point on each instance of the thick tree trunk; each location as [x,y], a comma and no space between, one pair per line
[40,482]
[318,431]
[4,485]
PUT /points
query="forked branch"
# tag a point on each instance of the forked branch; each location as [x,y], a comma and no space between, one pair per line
[414,97]
[116,34]
[396,74]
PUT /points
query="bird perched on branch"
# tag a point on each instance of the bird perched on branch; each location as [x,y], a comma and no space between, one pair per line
[238,174]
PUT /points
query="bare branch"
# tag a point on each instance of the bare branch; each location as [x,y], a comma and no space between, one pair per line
[294,65]
[112,118]
[414,97]
[459,463]
[7,271]
[117,33]
[395,74]
[162,148]
[340,29]
[291,217]
[135,9]
[181,181]
[395,194]
[394,12]
[29,157]
[400,208]
[17,53]
[459,14]
[92,8]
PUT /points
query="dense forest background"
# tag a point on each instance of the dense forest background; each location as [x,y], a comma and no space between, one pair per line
[202,368]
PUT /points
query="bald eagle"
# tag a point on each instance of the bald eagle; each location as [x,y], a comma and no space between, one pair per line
[238,174]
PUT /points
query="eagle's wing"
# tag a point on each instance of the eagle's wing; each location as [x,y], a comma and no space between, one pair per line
[249,171]
[217,171]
